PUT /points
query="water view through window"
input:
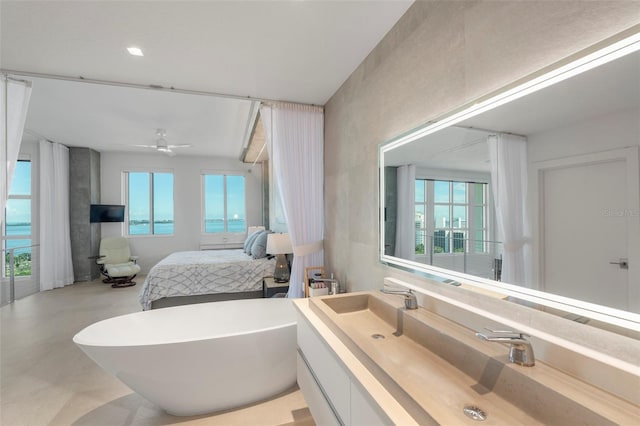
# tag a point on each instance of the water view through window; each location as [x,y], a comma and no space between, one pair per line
[150,203]
[17,229]
[224,204]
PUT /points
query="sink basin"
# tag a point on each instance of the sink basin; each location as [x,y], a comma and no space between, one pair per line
[364,307]
[436,368]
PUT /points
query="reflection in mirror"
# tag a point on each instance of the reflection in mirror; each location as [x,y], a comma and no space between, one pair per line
[452,220]
[540,193]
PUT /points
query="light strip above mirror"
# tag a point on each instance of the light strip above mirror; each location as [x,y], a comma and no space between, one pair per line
[532,84]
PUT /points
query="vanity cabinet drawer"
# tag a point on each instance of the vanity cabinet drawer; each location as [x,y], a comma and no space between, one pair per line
[331,377]
[363,412]
[318,405]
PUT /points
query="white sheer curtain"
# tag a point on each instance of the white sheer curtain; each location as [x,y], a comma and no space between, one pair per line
[56,267]
[405,221]
[295,142]
[508,154]
[15,95]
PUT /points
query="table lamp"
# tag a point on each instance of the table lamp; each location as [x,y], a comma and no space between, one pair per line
[280,245]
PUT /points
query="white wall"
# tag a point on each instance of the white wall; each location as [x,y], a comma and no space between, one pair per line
[187,199]
[619,130]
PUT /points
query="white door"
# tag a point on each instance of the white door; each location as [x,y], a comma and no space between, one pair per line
[589,225]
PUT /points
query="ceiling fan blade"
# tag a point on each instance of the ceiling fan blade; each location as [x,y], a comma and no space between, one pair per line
[161,144]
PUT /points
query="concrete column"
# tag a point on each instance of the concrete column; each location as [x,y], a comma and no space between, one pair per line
[84,190]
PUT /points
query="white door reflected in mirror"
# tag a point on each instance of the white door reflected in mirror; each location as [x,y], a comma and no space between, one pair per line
[582,230]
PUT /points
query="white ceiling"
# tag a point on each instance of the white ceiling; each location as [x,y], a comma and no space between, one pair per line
[604,90]
[111,118]
[299,51]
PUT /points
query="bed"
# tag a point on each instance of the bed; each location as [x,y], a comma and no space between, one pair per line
[199,276]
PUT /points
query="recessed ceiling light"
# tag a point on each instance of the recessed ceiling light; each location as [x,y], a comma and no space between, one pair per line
[135,51]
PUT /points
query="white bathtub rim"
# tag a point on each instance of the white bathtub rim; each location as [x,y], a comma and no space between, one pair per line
[78,339]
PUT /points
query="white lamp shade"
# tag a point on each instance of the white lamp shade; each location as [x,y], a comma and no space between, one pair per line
[279,244]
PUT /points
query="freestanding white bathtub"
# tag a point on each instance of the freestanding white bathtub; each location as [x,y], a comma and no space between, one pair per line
[200,358]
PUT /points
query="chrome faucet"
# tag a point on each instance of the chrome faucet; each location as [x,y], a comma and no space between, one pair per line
[520,349]
[410,301]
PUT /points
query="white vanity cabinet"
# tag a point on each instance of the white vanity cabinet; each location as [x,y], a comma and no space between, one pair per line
[321,410]
[328,387]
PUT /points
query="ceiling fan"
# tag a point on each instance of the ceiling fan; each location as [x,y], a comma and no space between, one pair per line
[162,145]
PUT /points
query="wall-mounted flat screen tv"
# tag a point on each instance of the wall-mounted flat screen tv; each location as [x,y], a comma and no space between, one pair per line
[106,213]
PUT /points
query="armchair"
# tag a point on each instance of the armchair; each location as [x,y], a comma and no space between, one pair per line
[116,263]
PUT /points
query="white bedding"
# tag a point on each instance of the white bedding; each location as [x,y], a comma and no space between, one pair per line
[189,273]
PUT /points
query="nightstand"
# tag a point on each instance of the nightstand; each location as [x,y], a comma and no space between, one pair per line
[270,287]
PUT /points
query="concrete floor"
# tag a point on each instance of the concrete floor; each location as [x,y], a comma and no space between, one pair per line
[46,380]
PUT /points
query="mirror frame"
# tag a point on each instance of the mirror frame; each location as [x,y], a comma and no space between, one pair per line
[601,53]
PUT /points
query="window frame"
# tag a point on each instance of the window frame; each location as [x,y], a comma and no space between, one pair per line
[3,231]
[150,172]
[428,205]
[203,210]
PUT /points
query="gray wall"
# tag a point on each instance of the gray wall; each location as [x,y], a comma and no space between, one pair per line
[439,56]
[84,190]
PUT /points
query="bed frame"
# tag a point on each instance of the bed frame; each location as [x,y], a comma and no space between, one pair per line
[204,298]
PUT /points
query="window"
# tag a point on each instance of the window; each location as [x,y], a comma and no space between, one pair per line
[150,203]
[17,224]
[450,217]
[224,204]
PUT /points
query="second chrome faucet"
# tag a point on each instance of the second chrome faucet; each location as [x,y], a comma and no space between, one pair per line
[520,349]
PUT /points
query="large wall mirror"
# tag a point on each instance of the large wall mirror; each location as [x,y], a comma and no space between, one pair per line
[533,192]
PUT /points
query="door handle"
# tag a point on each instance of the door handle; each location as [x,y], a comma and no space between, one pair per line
[624,263]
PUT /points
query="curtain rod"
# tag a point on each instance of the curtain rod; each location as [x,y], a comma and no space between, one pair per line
[464,145]
[287,105]
[156,87]
[493,132]
[8,77]
[40,137]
